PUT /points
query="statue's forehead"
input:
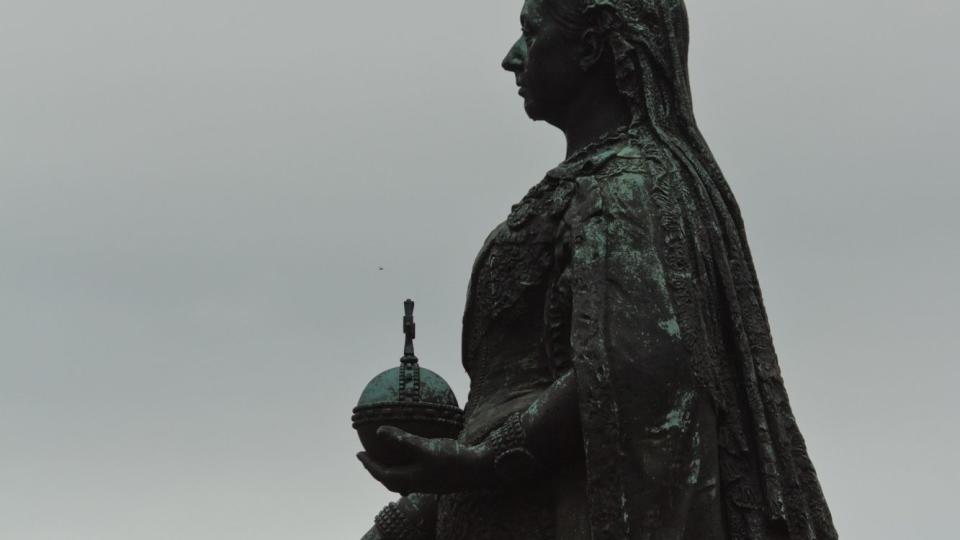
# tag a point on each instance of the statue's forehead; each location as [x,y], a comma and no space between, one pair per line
[532,10]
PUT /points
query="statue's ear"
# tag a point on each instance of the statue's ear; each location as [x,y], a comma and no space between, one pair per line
[591,48]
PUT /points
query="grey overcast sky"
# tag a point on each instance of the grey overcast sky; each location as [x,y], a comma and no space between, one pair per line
[196,197]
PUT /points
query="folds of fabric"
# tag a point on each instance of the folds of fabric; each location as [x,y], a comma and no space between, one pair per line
[686,420]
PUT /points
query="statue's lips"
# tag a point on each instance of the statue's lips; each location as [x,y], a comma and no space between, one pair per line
[522,91]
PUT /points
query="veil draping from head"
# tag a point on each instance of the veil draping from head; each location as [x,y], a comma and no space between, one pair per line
[766,477]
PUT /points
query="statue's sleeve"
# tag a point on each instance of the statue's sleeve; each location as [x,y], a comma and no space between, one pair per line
[640,407]
[413,517]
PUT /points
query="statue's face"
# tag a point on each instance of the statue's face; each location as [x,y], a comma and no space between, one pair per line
[546,62]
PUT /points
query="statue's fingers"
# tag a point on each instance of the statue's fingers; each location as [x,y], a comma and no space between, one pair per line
[404,441]
[376,470]
[396,479]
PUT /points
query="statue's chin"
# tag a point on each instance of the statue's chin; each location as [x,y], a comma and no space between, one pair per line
[537,112]
[530,107]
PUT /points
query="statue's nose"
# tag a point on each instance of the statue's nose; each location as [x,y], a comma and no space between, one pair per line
[513,61]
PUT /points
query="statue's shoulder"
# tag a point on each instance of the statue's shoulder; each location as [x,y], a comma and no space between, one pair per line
[621,180]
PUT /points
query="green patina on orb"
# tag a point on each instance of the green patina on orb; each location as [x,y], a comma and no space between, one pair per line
[409,397]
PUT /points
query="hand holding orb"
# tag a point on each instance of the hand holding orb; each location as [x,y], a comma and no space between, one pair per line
[407,397]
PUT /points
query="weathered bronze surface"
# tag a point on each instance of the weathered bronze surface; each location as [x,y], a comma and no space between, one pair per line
[624,383]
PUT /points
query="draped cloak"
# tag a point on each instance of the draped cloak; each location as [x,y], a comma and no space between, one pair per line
[660,260]
[675,364]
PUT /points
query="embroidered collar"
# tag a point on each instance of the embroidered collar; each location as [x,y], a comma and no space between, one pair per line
[592,156]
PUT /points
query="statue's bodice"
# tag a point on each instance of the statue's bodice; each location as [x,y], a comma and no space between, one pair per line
[514,335]
[513,319]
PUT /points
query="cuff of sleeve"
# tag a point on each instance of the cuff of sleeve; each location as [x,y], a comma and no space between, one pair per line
[513,463]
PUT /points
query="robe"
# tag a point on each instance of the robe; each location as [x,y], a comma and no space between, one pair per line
[625,269]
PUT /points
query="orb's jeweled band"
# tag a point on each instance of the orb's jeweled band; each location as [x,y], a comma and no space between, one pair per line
[380,413]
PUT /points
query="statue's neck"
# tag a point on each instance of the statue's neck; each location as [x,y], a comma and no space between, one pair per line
[597,113]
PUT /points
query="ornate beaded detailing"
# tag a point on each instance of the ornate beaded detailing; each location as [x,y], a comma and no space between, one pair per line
[380,413]
[394,525]
[513,462]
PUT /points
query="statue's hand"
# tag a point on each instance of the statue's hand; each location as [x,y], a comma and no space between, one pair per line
[438,466]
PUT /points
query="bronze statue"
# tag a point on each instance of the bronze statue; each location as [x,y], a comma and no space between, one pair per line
[624,384]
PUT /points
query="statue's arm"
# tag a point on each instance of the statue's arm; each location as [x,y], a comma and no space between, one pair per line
[411,517]
[545,435]
[551,425]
